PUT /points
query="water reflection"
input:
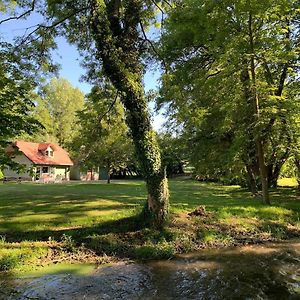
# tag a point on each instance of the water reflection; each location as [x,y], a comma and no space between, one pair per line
[252,272]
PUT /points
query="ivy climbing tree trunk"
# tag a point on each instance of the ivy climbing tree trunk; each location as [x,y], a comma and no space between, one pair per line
[115,30]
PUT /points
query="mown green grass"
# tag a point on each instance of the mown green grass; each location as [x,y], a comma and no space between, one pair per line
[288,182]
[106,219]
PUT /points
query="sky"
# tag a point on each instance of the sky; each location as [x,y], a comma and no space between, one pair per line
[68,58]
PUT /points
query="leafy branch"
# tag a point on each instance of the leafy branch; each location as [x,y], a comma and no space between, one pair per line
[29,11]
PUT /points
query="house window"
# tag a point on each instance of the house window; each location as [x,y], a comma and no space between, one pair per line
[45,170]
[49,153]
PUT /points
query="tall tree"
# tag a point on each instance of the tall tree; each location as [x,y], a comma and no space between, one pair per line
[16,102]
[16,109]
[57,109]
[231,64]
[22,67]
[111,37]
[116,31]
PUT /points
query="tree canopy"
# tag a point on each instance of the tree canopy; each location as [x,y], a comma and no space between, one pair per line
[62,101]
[103,137]
[231,86]
[16,102]
[111,37]
[233,66]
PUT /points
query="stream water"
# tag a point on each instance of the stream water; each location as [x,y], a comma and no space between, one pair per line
[270,271]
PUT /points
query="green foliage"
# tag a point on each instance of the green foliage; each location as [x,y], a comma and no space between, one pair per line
[288,169]
[8,262]
[173,154]
[208,89]
[56,110]
[103,137]
[16,102]
[23,63]
[16,256]
[162,250]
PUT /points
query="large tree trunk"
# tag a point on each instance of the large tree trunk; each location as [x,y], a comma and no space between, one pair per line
[278,159]
[108,176]
[116,34]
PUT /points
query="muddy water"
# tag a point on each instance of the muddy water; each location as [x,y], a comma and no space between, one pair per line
[271,271]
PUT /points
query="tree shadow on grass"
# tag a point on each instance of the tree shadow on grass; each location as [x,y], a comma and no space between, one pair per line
[125,237]
[132,223]
[123,233]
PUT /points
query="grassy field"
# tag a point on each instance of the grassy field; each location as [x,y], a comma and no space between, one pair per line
[79,221]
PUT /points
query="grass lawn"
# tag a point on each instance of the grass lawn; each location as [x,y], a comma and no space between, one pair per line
[80,221]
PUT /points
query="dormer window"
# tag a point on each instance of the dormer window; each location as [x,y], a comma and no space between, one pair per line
[49,152]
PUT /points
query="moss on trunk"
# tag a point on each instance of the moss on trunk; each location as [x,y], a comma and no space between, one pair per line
[116,34]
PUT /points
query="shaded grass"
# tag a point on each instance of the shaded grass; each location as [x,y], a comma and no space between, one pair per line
[106,219]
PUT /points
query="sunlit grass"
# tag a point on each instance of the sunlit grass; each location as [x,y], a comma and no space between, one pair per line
[103,218]
[17,255]
[288,182]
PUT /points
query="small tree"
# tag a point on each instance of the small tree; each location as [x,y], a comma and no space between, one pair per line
[103,137]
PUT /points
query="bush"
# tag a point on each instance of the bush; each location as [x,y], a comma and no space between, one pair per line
[9,262]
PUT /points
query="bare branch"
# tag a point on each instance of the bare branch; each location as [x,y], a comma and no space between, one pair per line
[213,74]
[161,10]
[51,26]
[20,16]
[168,3]
[153,48]
[110,107]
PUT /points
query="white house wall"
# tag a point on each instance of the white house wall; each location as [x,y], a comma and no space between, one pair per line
[23,160]
[61,171]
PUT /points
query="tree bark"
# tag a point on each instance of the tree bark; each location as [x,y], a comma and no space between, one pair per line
[297,163]
[249,152]
[256,110]
[252,184]
[273,175]
[116,34]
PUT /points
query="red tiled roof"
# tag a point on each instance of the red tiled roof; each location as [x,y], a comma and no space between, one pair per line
[43,146]
[35,152]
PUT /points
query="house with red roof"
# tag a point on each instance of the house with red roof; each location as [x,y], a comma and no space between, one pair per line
[43,162]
